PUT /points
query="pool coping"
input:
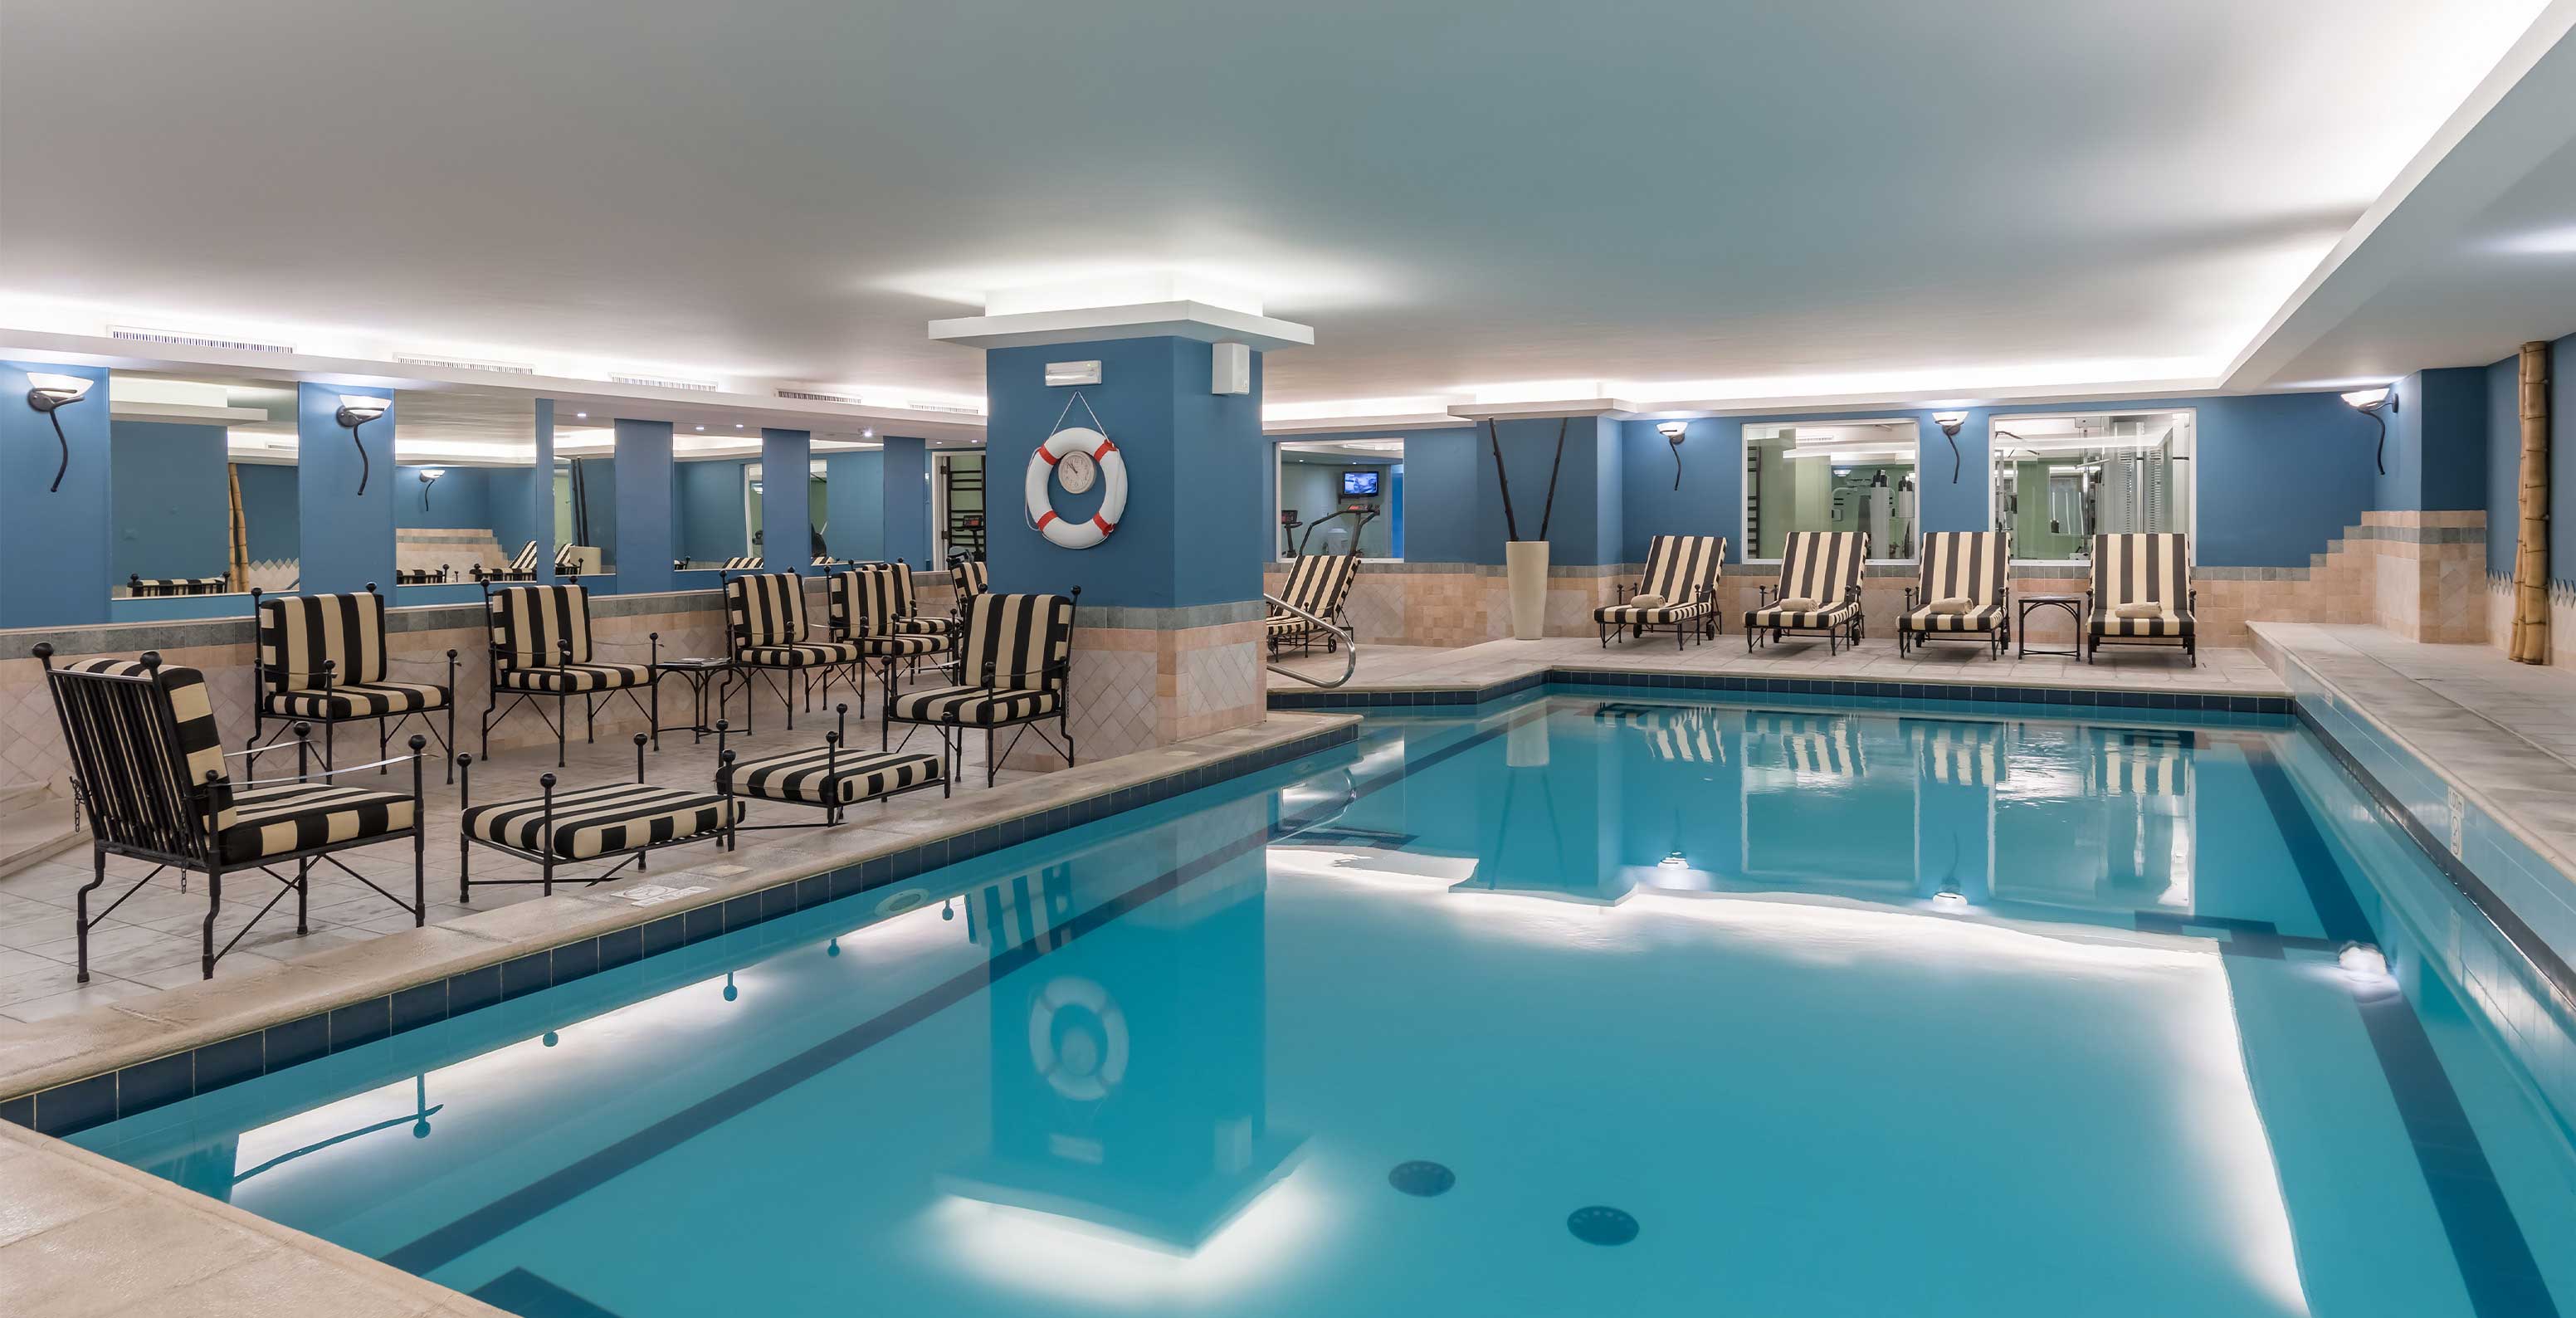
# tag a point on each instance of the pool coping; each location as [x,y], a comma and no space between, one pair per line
[2023,693]
[64,1076]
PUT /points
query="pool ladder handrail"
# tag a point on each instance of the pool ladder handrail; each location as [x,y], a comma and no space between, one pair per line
[1350,648]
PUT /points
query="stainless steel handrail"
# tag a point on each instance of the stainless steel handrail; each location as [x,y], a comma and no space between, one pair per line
[1350,648]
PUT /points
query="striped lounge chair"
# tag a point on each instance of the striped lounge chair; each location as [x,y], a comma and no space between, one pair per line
[147,766]
[523,567]
[2142,594]
[1681,573]
[746,563]
[1317,584]
[541,646]
[830,777]
[1964,594]
[142,587]
[323,659]
[1017,653]
[585,823]
[1958,753]
[867,607]
[568,560]
[1819,590]
[766,629]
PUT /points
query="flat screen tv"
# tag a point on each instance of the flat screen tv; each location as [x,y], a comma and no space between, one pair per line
[1360,484]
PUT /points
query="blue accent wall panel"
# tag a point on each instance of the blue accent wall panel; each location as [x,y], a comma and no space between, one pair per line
[171,515]
[2504,461]
[905,519]
[272,511]
[2437,440]
[1709,500]
[2562,461]
[541,495]
[711,526]
[854,498]
[346,538]
[785,513]
[460,500]
[643,529]
[64,532]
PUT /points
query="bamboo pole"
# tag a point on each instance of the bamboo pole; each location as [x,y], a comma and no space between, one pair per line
[239,567]
[2531,541]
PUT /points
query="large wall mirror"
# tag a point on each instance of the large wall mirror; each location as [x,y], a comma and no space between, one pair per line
[1341,496]
[2061,480]
[203,495]
[1832,476]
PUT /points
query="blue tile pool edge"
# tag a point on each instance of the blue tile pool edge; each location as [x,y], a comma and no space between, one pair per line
[1733,683]
[77,1105]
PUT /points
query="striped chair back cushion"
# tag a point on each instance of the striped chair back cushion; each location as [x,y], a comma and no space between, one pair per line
[527,622]
[1823,565]
[862,600]
[125,753]
[973,578]
[766,608]
[1018,636]
[1317,582]
[567,557]
[749,564]
[1678,565]
[297,633]
[2141,568]
[905,602]
[527,559]
[1968,565]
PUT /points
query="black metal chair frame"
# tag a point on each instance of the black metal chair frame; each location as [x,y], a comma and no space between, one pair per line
[1848,632]
[261,740]
[809,679]
[440,576]
[835,811]
[168,821]
[545,861]
[561,723]
[1997,638]
[952,731]
[2189,640]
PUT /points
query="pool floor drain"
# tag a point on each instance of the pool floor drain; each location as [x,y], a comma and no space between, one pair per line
[1422,1179]
[1601,1225]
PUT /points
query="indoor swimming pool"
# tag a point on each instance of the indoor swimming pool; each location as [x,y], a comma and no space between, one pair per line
[1596,1001]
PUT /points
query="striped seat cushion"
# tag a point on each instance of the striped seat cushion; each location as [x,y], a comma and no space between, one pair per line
[362,700]
[576,677]
[1684,570]
[926,626]
[812,654]
[1630,613]
[176,585]
[302,636]
[1288,624]
[819,777]
[1801,618]
[2169,622]
[974,705]
[894,647]
[1983,618]
[594,821]
[273,821]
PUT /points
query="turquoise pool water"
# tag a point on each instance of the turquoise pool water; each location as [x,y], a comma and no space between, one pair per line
[1595,1003]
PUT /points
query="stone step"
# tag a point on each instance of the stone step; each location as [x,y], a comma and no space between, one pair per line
[35,824]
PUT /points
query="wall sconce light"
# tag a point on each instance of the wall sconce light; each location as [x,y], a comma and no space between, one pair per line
[1674,432]
[357,410]
[1950,423]
[47,391]
[428,477]
[2372,403]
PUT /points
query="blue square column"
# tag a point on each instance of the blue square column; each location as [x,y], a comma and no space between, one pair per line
[644,540]
[344,492]
[907,500]
[541,493]
[55,542]
[785,513]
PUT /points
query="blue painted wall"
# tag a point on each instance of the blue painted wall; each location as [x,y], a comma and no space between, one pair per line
[170,515]
[53,543]
[2562,464]
[2437,442]
[540,495]
[1452,503]
[510,499]
[271,511]
[786,510]
[1195,530]
[710,525]
[854,497]
[643,503]
[346,537]
[904,507]
[460,501]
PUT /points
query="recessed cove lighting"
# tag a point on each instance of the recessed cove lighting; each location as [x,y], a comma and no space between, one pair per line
[2545,242]
[581,416]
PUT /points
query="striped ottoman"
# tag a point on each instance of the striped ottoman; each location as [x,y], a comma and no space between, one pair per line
[627,819]
[827,778]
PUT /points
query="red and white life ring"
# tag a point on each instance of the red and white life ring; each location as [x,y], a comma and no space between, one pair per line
[1096,448]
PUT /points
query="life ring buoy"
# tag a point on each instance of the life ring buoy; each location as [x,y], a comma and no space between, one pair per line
[1078,1038]
[1096,447]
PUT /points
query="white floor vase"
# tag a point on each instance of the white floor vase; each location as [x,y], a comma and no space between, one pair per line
[1525,569]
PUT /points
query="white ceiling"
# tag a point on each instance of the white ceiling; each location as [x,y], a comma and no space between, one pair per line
[1755,197]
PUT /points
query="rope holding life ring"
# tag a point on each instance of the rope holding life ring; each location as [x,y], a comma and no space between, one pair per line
[1043,464]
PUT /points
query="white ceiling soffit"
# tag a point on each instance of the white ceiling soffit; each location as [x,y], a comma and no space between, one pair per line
[1902,198]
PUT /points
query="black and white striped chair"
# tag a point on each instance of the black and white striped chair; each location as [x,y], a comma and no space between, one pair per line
[830,777]
[973,578]
[865,609]
[1318,584]
[1957,753]
[744,563]
[2139,763]
[1824,746]
[523,567]
[147,766]
[1017,654]
[323,659]
[1679,589]
[765,623]
[142,587]
[2142,594]
[541,646]
[1819,590]
[1691,734]
[555,828]
[1964,593]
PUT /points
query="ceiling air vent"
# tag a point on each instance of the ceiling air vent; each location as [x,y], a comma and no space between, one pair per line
[136,334]
[817,396]
[463,364]
[959,409]
[664,382]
